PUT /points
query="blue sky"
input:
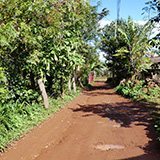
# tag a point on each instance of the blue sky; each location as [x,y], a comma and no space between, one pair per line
[131,8]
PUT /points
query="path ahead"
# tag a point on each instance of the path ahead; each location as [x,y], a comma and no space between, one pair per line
[97,125]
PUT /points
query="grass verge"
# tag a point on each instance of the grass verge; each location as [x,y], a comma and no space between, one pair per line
[101,79]
[142,92]
[17,119]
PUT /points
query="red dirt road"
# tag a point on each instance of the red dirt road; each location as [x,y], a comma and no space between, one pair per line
[97,125]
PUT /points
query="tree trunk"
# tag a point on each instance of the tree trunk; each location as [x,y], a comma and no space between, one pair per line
[74,84]
[80,82]
[69,84]
[62,84]
[113,75]
[44,94]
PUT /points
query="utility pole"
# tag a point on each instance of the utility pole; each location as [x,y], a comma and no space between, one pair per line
[118,10]
[116,29]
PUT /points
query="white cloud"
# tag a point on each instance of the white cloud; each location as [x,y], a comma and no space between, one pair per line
[103,23]
[141,22]
[155,31]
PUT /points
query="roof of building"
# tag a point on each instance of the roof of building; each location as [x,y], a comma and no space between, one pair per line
[155,59]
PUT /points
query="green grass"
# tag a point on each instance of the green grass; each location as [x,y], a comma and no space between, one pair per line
[17,119]
[139,92]
[101,79]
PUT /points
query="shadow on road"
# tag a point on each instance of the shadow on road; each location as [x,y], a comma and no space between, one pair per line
[96,87]
[124,113]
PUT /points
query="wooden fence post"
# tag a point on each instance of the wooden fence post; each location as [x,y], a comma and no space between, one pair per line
[69,84]
[44,94]
[74,84]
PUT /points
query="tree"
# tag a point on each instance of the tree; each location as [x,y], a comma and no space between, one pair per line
[137,46]
[154,5]
[126,53]
[45,40]
[3,91]
[109,44]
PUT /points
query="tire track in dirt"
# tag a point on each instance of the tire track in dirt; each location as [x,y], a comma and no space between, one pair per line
[97,125]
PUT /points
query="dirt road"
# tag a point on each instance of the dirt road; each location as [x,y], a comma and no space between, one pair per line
[97,125]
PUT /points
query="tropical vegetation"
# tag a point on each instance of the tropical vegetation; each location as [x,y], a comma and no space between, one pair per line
[56,42]
[128,47]
[47,42]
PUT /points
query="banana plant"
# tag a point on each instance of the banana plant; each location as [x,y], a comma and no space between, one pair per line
[137,44]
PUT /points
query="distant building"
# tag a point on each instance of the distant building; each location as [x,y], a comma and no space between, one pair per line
[156,61]
[155,68]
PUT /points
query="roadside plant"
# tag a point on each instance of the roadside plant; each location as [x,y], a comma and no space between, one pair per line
[137,47]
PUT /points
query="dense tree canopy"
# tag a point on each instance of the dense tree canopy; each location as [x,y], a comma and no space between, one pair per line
[125,51]
[45,39]
[154,5]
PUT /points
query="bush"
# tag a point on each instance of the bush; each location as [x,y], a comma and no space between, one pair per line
[140,90]
[3,90]
[157,126]
[17,118]
[133,89]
